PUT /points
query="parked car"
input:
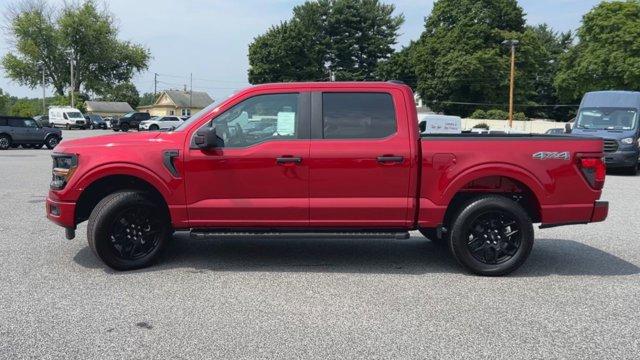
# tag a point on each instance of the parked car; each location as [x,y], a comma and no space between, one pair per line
[15,131]
[335,158]
[42,120]
[67,117]
[95,121]
[613,116]
[555,131]
[161,123]
[129,121]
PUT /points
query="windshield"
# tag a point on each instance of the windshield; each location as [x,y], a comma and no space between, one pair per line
[607,119]
[196,116]
[129,114]
[75,115]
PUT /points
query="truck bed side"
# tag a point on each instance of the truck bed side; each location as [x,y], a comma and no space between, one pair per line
[553,189]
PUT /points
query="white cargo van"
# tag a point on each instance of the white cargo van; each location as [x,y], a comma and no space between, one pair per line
[440,124]
[67,117]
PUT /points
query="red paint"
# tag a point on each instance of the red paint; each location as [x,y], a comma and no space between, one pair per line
[338,183]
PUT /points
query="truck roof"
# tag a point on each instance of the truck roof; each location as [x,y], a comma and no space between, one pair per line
[615,99]
[332,84]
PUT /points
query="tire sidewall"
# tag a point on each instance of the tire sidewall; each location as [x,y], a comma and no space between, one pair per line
[8,142]
[100,224]
[458,239]
[47,142]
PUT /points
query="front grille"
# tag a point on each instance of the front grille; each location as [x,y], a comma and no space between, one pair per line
[610,145]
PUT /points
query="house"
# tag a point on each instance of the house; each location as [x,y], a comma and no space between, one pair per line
[107,108]
[177,102]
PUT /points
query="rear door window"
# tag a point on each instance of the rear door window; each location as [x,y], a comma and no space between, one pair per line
[16,122]
[358,115]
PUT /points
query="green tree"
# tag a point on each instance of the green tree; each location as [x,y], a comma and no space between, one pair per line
[459,57]
[45,36]
[607,56]
[345,37]
[147,99]
[126,92]
[400,66]
[25,107]
[4,103]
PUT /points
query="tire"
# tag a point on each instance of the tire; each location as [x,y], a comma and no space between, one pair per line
[479,237]
[432,235]
[124,127]
[154,128]
[5,142]
[116,130]
[68,127]
[123,213]
[51,141]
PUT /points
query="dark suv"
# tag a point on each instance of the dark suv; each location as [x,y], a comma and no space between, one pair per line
[129,121]
[27,132]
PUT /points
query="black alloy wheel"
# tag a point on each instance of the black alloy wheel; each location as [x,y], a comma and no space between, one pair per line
[135,233]
[491,235]
[124,127]
[51,142]
[5,142]
[494,237]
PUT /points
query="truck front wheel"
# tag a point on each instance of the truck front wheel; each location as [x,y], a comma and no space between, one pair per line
[491,235]
[128,231]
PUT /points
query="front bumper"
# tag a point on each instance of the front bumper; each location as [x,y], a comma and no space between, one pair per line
[623,158]
[61,213]
[144,126]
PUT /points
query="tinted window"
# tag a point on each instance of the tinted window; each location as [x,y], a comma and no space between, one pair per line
[3,122]
[258,119]
[358,115]
[30,123]
[16,122]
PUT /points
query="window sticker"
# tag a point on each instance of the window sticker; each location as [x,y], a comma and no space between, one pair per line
[286,123]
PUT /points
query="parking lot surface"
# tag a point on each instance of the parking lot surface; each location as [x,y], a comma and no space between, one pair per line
[577,296]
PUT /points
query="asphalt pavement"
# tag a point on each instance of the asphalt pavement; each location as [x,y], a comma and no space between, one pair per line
[577,296]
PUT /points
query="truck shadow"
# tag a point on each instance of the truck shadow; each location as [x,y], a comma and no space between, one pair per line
[413,257]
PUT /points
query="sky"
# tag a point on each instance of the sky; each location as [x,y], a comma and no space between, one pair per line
[210,38]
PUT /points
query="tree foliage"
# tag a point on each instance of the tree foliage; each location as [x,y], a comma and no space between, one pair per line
[401,66]
[607,56]
[126,92]
[45,36]
[346,38]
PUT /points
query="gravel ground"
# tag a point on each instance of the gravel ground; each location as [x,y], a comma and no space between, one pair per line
[576,297]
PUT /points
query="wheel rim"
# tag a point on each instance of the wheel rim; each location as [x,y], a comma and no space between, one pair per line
[134,234]
[494,237]
[53,142]
[4,142]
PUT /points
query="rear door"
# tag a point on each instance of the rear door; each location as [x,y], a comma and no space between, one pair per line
[18,130]
[360,160]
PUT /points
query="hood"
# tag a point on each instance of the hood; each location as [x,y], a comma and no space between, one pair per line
[605,134]
[118,139]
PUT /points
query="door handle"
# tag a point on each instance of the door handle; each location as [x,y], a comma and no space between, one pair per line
[390,159]
[288,160]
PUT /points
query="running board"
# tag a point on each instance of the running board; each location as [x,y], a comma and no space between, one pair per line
[200,234]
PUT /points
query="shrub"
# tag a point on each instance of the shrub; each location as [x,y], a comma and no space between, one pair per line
[497,114]
[481,126]
[479,114]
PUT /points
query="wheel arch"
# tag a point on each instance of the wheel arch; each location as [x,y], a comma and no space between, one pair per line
[99,184]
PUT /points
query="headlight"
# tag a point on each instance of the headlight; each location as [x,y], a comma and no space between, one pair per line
[627,141]
[64,165]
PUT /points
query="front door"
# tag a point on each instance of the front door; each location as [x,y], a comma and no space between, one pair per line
[360,161]
[259,176]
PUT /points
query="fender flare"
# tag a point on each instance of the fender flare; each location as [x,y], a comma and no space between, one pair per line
[125,169]
[520,174]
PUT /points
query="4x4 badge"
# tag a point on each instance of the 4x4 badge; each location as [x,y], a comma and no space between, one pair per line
[550,155]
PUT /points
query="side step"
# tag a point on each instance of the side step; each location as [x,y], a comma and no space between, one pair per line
[204,234]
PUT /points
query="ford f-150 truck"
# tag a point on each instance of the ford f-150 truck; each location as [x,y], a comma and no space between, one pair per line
[335,159]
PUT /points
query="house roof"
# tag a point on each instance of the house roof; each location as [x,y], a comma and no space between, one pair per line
[199,99]
[108,106]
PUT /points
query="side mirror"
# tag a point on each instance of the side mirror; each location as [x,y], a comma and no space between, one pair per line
[423,126]
[206,138]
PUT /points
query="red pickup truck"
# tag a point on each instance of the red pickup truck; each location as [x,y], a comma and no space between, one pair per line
[335,159]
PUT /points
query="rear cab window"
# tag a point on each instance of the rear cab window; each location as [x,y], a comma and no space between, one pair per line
[358,115]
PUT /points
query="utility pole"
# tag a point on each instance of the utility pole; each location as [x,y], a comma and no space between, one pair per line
[155,84]
[512,44]
[73,87]
[44,104]
[190,90]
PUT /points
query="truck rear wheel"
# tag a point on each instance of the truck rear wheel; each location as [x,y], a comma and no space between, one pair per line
[491,236]
[124,127]
[128,231]
[5,142]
